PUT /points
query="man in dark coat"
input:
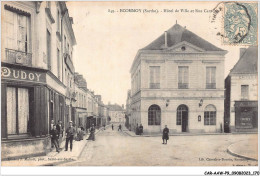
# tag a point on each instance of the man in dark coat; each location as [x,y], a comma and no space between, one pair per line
[70,132]
[54,138]
[112,127]
[165,134]
[60,129]
[141,128]
[51,128]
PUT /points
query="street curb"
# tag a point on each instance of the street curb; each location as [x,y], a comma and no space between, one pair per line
[63,162]
[83,148]
[238,155]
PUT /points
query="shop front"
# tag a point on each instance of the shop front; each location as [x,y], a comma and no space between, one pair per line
[90,120]
[27,106]
[24,119]
[246,116]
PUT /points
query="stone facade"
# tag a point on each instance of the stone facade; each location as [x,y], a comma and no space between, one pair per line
[168,94]
[241,105]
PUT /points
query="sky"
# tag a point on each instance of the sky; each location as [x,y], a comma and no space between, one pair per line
[107,42]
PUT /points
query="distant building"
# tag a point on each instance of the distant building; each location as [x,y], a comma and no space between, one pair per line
[80,105]
[178,81]
[116,113]
[241,103]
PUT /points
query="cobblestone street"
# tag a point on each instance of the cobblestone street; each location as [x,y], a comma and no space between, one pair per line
[113,148]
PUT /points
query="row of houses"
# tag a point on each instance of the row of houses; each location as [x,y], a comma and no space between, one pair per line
[38,79]
[178,81]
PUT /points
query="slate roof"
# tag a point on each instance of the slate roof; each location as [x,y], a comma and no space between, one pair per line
[247,62]
[177,34]
[115,107]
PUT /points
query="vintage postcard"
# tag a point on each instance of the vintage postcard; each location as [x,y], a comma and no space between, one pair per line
[129,83]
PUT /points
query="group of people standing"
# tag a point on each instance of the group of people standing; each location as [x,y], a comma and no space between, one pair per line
[165,135]
[56,134]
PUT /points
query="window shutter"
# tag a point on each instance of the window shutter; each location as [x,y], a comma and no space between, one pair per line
[10,29]
[157,75]
[207,75]
[152,75]
[180,75]
[213,75]
[186,75]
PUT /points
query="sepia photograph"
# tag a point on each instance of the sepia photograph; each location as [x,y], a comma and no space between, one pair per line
[129,83]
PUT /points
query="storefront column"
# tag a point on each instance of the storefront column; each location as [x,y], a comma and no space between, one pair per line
[3,112]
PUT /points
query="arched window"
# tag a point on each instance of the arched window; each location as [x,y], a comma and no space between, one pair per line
[210,115]
[182,110]
[154,115]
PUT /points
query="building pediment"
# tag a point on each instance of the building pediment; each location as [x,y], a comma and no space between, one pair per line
[184,47]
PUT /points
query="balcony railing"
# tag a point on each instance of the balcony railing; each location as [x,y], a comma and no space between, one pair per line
[18,57]
[210,85]
[183,85]
[154,85]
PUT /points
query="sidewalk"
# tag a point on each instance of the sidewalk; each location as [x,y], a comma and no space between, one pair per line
[247,149]
[132,134]
[53,157]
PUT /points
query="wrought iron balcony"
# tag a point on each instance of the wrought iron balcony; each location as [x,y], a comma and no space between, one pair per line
[18,57]
[210,85]
[154,85]
[183,85]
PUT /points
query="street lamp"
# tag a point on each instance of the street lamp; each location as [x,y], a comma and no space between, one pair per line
[167,102]
[200,103]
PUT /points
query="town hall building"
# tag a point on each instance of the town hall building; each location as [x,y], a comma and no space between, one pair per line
[178,81]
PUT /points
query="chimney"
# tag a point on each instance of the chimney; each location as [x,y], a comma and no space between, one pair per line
[123,106]
[242,51]
[165,38]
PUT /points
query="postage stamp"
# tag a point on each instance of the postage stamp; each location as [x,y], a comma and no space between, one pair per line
[240,23]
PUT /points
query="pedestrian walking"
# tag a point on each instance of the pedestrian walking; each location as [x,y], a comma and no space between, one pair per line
[92,133]
[119,127]
[112,127]
[51,128]
[54,138]
[70,132]
[165,134]
[60,129]
[104,127]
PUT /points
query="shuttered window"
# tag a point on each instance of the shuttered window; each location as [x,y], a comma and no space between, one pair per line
[58,62]
[183,77]
[48,38]
[211,77]
[154,77]
[244,92]
[16,31]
